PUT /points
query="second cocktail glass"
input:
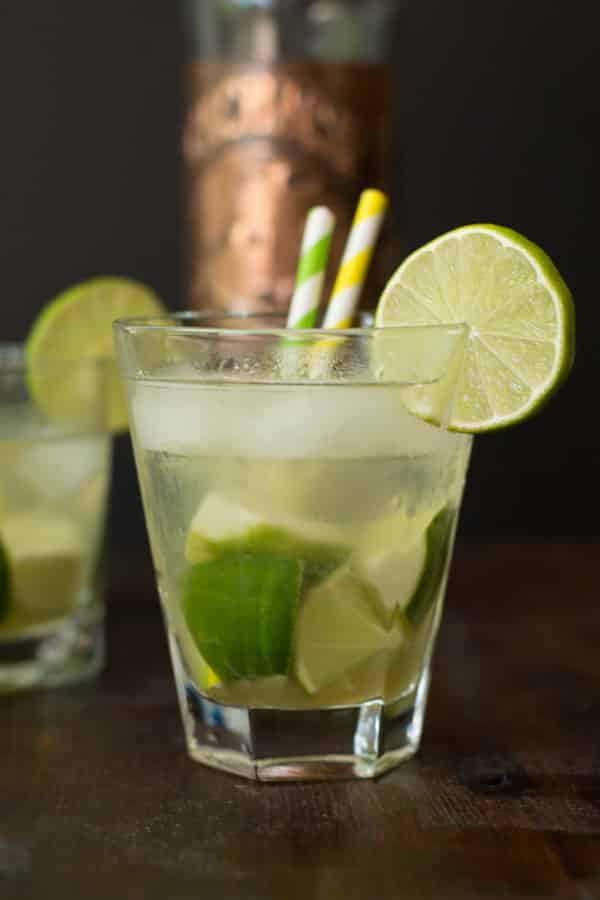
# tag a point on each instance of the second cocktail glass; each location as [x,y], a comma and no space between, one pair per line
[301,518]
[54,481]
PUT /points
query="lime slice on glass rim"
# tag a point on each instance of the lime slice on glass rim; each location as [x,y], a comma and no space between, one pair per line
[520,346]
[74,329]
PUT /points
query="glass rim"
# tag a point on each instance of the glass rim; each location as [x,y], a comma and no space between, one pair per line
[170,324]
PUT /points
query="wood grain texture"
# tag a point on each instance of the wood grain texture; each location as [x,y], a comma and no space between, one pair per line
[98,798]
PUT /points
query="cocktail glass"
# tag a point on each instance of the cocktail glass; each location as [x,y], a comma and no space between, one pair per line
[54,475]
[301,515]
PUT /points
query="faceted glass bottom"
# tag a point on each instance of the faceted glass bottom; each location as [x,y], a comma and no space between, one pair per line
[268,744]
[64,652]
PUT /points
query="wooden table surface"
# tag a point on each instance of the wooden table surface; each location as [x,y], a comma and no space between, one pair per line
[98,800]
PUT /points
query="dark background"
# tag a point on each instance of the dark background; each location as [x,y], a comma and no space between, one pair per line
[497,106]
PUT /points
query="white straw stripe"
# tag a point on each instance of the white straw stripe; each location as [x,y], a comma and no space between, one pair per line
[319,225]
[304,296]
[345,306]
[358,251]
[320,222]
[363,235]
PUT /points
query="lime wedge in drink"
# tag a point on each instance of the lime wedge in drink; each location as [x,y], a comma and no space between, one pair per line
[4,583]
[337,629]
[402,561]
[391,557]
[240,612]
[521,321]
[437,548]
[44,557]
[74,329]
[222,526]
[395,575]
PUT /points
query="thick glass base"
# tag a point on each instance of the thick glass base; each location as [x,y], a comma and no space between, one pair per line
[59,653]
[268,744]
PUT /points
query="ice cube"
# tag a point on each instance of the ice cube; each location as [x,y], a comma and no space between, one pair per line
[188,418]
[56,468]
[279,421]
[349,422]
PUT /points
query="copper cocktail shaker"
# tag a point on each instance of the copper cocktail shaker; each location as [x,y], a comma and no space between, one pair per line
[289,104]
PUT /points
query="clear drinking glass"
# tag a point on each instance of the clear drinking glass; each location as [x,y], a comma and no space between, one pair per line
[301,519]
[54,477]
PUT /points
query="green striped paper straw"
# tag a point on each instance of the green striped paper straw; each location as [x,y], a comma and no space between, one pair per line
[314,251]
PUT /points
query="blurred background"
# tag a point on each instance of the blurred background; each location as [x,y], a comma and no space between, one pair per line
[495,109]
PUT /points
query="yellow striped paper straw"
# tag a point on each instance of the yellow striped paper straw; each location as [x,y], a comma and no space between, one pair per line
[316,243]
[358,251]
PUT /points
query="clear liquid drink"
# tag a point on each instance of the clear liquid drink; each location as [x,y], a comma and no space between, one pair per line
[301,519]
